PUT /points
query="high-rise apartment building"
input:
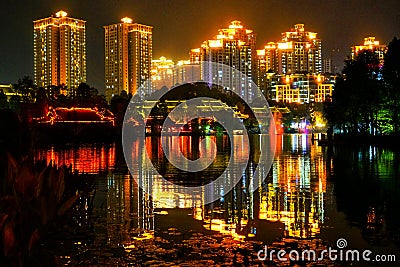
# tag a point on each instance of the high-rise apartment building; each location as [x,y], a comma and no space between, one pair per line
[370,43]
[128,55]
[327,65]
[59,51]
[299,51]
[165,72]
[195,55]
[162,73]
[186,71]
[234,47]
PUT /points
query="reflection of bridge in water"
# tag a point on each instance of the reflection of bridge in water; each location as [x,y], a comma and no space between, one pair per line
[87,158]
[290,199]
[290,203]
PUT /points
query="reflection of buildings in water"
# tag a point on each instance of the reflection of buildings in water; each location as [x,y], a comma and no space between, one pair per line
[166,194]
[376,228]
[84,159]
[301,211]
[295,196]
[373,207]
[233,214]
[129,211]
[227,219]
[375,220]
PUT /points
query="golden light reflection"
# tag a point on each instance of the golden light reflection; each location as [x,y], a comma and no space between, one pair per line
[224,228]
[85,159]
[295,196]
[225,221]
[292,195]
[166,194]
[130,212]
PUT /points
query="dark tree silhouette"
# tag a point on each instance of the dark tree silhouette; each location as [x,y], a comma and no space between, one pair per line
[358,94]
[391,74]
[25,86]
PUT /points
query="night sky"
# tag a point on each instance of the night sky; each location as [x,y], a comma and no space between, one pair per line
[181,25]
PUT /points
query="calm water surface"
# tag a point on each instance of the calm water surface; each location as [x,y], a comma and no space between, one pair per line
[311,197]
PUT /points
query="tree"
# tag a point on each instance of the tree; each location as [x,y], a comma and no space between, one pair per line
[357,97]
[339,109]
[53,92]
[83,91]
[391,75]
[3,100]
[25,86]
[118,105]
[86,95]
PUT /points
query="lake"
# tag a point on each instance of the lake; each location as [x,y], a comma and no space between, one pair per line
[311,197]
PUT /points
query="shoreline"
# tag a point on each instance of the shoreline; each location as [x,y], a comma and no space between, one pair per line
[362,140]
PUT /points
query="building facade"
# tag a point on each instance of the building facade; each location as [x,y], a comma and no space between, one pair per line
[59,51]
[327,65]
[185,71]
[370,43]
[195,55]
[166,73]
[162,73]
[235,47]
[301,88]
[299,51]
[128,54]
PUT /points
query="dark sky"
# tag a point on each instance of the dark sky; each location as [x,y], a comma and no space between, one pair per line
[180,25]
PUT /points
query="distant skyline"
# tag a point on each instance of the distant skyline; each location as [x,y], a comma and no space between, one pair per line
[181,25]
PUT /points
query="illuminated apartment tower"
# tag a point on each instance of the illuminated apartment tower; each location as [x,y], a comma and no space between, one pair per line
[236,48]
[370,44]
[186,71]
[162,73]
[266,62]
[327,65]
[299,51]
[59,51]
[128,54]
[195,55]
